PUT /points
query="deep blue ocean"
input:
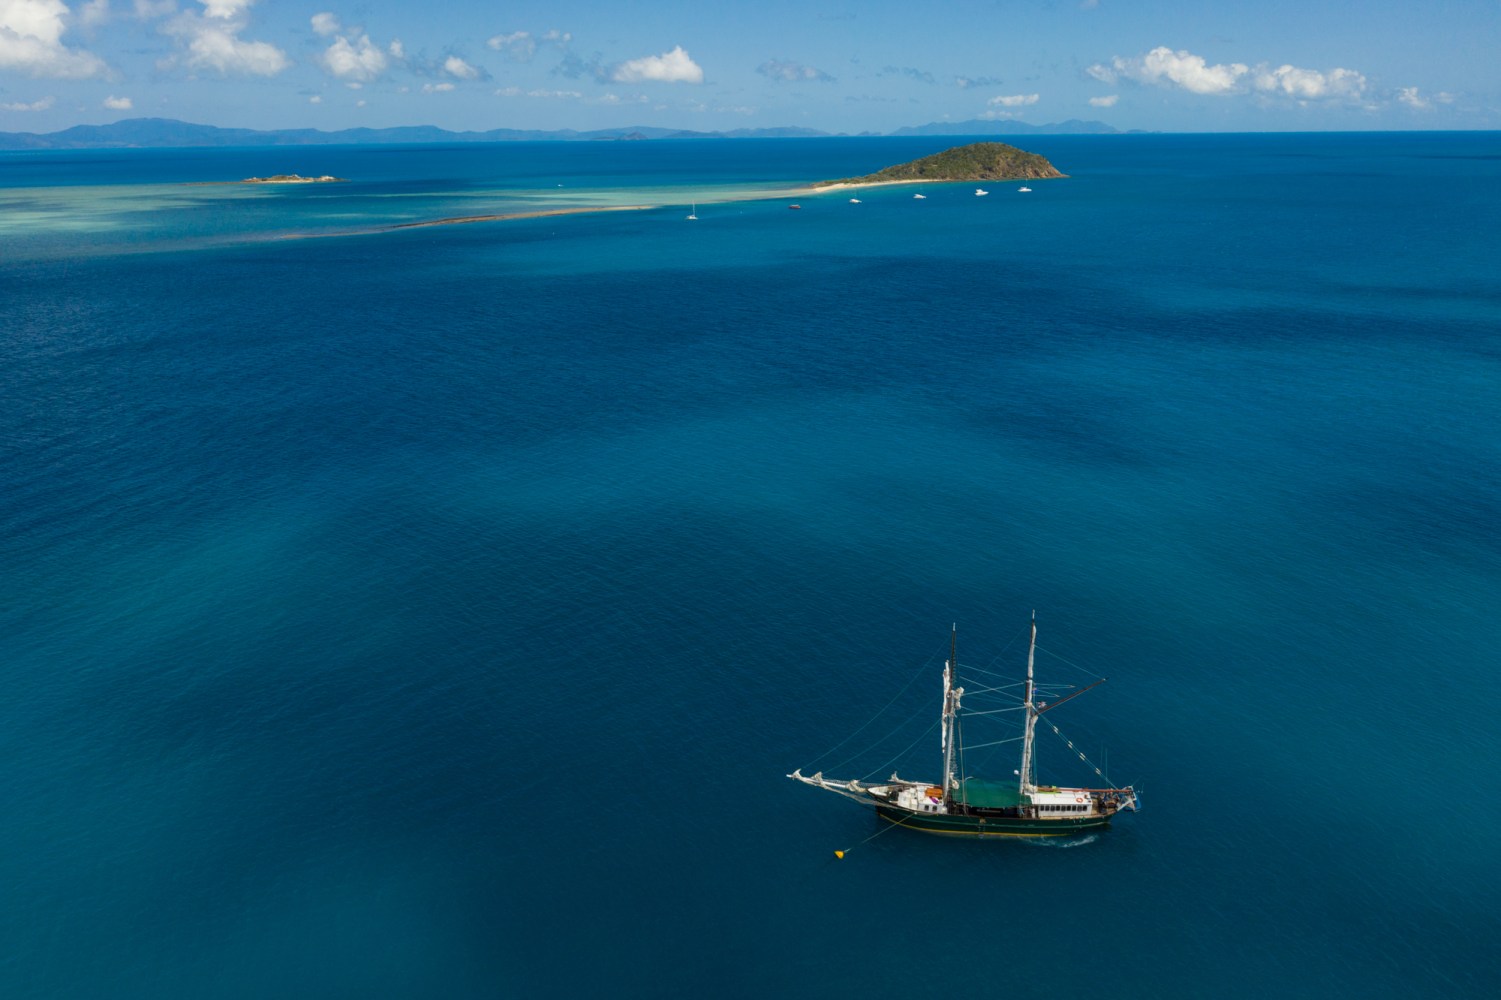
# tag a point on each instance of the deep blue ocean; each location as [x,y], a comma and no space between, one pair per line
[436,612]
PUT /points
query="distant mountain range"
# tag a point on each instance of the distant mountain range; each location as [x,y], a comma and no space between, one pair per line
[985,126]
[157,132]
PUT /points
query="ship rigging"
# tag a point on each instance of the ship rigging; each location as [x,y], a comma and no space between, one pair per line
[962,805]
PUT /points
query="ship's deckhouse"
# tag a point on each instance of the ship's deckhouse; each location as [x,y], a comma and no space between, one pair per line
[1064,802]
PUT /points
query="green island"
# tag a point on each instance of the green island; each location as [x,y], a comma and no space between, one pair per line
[979,161]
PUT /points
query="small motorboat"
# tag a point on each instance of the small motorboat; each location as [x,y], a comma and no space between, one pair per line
[981,192]
[920,197]
[1023,188]
[794,207]
[854,201]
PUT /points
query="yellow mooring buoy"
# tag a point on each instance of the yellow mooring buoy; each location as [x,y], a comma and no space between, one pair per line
[839,854]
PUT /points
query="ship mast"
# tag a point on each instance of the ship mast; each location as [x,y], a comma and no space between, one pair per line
[950,717]
[1027,786]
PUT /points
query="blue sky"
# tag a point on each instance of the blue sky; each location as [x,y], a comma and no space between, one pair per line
[844,67]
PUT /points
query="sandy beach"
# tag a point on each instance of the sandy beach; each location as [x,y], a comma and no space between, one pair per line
[851,185]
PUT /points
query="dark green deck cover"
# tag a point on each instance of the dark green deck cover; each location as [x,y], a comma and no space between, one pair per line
[985,794]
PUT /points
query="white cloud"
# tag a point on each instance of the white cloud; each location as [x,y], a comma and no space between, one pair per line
[436,88]
[31,34]
[786,71]
[518,46]
[1103,73]
[910,72]
[669,67]
[1310,84]
[1108,101]
[1181,68]
[118,103]
[93,13]
[39,105]
[396,49]
[325,24]
[521,46]
[315,99]
[213,41]
[226,10]
[1166,67]
[222,49]
[546,94]
[456,67]
[358,60]
[1410,97]
[1013,101]
[147,9]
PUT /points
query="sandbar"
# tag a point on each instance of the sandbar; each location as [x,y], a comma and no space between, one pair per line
[540,213]
[460,220]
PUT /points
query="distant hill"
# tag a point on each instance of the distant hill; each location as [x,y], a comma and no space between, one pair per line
[167,132]
[1007,126]
[154,132]
[979,161]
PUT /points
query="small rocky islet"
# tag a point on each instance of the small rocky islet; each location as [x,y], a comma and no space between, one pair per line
[978,161]
[294,179]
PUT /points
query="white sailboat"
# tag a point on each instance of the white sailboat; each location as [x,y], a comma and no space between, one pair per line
[964,805]
[693,213]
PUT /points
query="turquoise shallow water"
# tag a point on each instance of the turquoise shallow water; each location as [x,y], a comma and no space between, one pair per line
[437,612]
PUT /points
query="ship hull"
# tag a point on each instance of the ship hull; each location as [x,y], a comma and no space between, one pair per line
[961,825]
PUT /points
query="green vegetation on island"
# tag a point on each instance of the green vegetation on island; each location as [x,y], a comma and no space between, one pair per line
[979,161]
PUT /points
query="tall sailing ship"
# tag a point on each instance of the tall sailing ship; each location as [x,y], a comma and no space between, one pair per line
[981,807]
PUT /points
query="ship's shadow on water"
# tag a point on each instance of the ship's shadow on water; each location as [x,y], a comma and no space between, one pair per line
[1000,844]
